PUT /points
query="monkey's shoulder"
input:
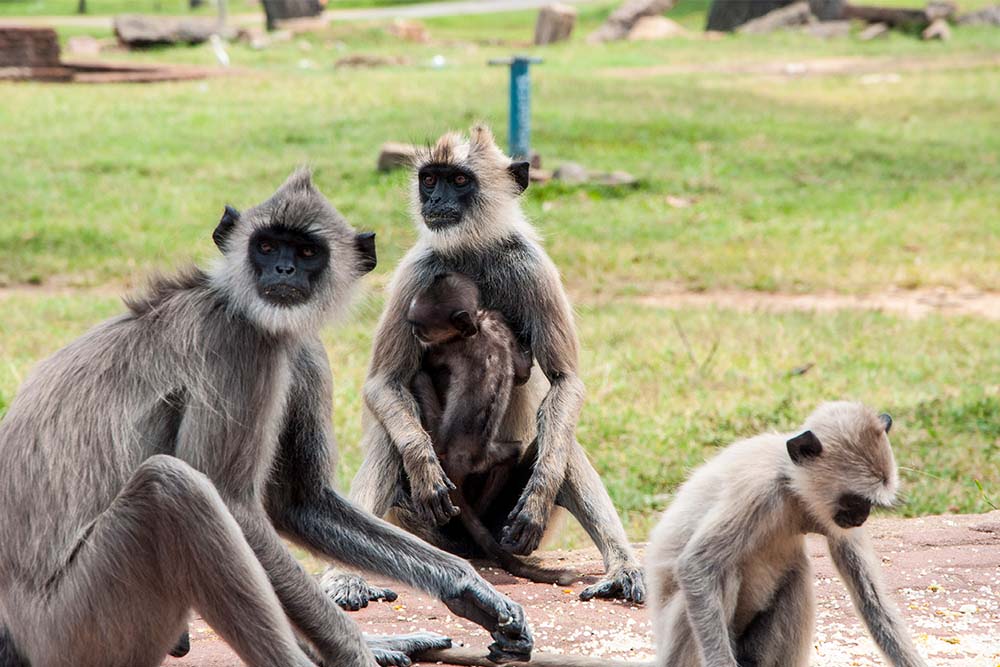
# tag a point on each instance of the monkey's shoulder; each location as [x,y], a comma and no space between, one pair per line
[161,289]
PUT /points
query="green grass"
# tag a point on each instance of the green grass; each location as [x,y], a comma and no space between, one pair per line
[800,185]
[167,7]
[658,406]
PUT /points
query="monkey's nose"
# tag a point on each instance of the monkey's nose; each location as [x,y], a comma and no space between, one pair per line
[286,270]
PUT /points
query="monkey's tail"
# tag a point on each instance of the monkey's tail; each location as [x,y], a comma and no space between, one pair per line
[519,568]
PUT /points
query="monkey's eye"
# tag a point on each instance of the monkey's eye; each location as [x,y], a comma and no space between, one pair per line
[461,179]
[265,247]
[429,180]
[307,251]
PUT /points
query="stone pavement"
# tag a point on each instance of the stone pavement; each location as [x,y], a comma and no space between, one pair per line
[944,573]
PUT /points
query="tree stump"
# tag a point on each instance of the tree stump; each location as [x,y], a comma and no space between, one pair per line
[280,10]
[555,24]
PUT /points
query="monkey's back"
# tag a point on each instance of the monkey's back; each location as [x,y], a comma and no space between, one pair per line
[88,416]
[736,482]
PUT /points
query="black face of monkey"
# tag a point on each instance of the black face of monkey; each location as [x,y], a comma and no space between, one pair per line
[445,311]
[852,510]
[446,193]
[287,264]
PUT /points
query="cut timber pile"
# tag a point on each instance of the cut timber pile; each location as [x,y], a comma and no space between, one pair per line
[32,54]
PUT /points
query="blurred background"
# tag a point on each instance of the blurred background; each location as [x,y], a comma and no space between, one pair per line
[750,220]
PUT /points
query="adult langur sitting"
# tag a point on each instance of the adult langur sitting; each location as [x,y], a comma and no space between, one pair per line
[466,197]
[150,466]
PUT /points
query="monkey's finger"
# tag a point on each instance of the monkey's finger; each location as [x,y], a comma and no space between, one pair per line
[387,594]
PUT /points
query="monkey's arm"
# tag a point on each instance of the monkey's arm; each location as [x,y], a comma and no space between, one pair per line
[308,510]
[707,570]
[554,343]
[856,562]
[395,361]
[426,396]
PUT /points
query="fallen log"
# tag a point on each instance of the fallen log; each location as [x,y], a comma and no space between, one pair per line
[897,17]
[625,17]
[469,657]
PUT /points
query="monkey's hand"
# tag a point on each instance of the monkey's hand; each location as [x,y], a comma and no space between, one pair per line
[351,592]
[526,523]
[397,650]
[430,491]
[626,582]
[482,604]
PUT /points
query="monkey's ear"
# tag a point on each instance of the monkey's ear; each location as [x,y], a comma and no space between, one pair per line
[886,420]
[365,244]
[462,320]
[225,227]
[519,172]
[804,446]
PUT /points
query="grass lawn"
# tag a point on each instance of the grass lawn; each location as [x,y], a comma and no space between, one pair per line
[847,183]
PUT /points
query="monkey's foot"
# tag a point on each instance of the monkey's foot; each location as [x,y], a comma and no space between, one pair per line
[623,583]
[182,647]
[351,592]
[398,650]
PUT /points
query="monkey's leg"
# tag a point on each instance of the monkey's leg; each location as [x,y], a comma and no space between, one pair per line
[9,656]
[167,543]
[584,495]
[781,636]
[675,644]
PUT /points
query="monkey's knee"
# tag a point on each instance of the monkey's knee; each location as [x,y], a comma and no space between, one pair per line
[172,485]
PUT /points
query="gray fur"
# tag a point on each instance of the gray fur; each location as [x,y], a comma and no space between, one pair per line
[729,575]
[496,247]
[148,464]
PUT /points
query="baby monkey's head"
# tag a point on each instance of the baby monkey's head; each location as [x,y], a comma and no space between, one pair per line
[447,310]
[843,464]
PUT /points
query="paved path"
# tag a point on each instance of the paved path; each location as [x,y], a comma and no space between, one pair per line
[415,11]
[944,573]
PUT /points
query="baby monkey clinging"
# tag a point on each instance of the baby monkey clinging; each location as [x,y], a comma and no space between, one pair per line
[727,565]
[471,363]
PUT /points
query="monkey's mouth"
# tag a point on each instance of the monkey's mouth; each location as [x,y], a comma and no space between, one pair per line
[283,294]
[851,518]
[442,219]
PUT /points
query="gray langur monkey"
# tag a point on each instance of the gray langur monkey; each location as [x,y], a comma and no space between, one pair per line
[471,363]
[466,200]
[150,466]
[730,579]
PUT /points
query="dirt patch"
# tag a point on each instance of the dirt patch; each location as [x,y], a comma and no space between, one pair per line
[943,572]
[912,304]
[836,66]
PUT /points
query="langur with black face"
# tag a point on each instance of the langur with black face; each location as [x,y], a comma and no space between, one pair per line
[466,198]
[150,466]
[729,576]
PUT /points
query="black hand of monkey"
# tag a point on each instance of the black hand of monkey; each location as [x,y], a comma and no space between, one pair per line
[624,583]
[435,506]
[524,529]
[503,617]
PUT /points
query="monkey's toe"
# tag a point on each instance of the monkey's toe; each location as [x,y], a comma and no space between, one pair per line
[400,649]
[626,583]
[351,592]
